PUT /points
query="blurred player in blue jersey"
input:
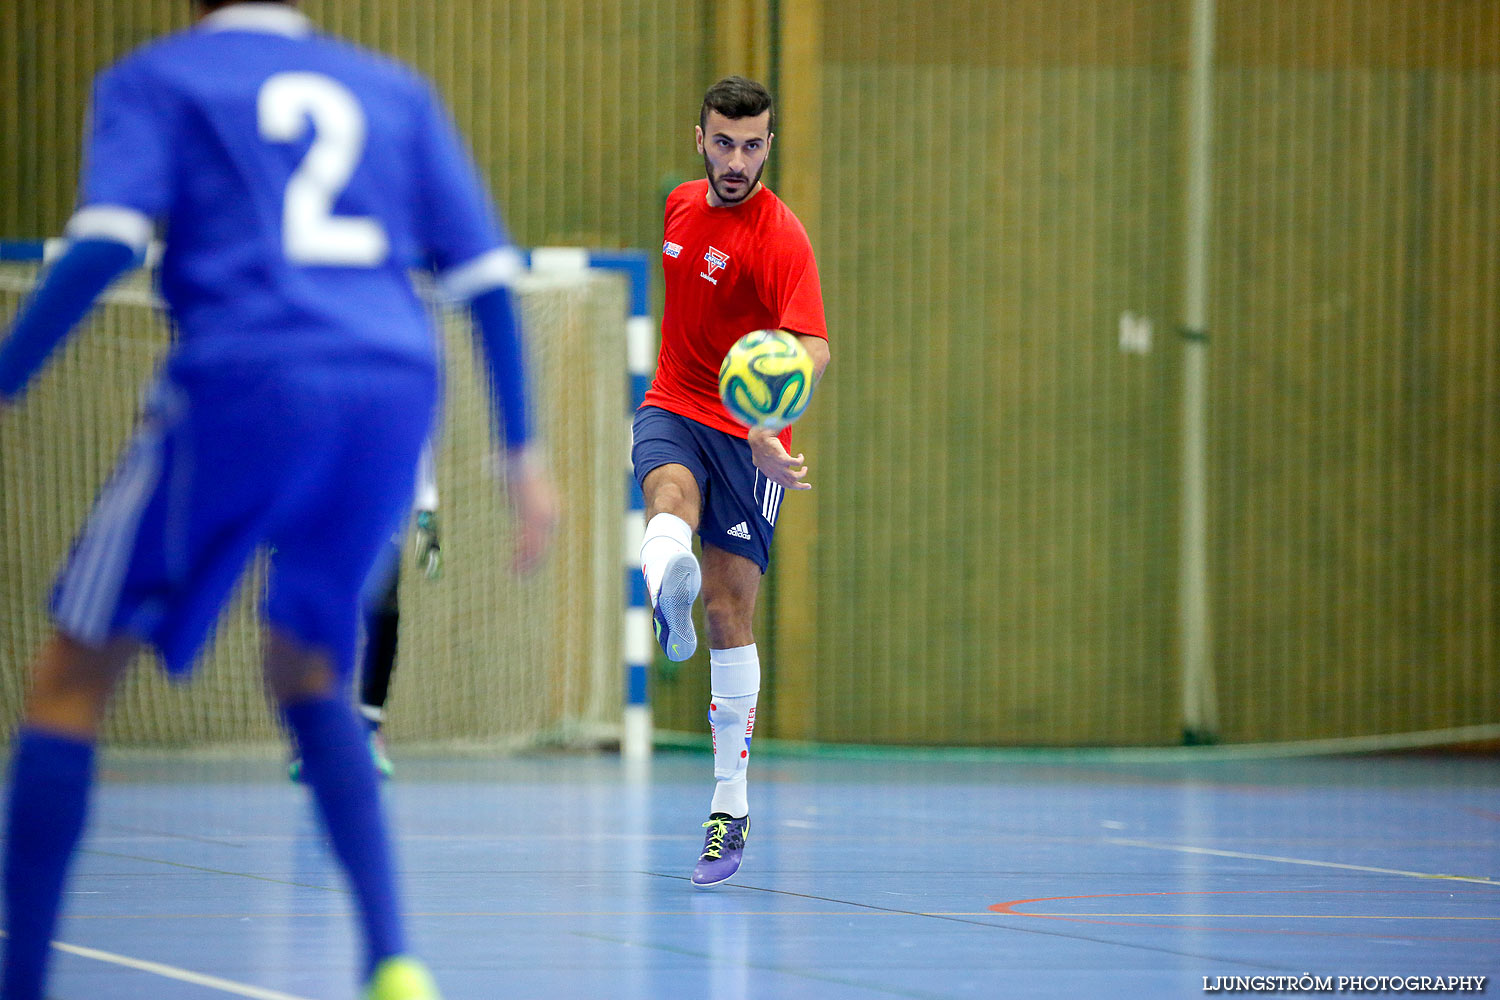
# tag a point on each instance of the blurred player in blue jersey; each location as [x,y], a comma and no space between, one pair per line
[383,613]
[296,179]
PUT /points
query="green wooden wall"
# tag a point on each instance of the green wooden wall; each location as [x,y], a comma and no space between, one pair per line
[989,555]
[577,112]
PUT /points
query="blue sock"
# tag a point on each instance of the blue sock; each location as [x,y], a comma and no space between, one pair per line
[49,790]
[336,766]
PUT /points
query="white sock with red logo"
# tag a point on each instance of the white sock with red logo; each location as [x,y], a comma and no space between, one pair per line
[734,683]
[666,535]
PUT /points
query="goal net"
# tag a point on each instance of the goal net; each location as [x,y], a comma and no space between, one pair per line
[484,657]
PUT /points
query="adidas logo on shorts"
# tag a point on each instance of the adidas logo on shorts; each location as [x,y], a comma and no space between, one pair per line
[741,530]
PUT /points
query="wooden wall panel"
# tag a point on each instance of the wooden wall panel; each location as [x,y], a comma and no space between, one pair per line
[579,113]
[994,511]
[1355,352]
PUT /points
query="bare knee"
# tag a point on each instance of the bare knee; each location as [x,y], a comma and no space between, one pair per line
[729,616]
[671,489]
[730,586]
[295,672]
[72,684]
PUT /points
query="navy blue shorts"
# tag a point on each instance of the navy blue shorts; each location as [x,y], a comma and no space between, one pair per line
[314,464]
[739,504]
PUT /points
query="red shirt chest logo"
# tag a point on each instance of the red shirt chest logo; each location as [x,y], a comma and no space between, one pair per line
[717,260]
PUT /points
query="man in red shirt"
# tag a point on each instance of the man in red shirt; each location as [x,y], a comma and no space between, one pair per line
[735,260]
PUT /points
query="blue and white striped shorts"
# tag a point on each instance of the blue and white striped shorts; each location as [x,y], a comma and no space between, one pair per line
[314,463]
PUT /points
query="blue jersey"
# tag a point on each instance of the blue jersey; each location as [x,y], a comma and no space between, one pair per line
[298,178]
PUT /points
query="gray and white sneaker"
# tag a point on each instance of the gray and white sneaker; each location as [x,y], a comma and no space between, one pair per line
[673,616]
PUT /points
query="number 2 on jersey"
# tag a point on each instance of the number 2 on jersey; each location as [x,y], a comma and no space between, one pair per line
[310,232]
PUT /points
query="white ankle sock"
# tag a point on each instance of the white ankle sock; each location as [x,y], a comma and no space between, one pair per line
[666,535]
[734,683]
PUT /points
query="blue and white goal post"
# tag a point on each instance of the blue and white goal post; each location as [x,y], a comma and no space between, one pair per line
[640,338]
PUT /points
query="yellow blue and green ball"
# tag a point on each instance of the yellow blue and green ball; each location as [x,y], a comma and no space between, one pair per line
[766,379]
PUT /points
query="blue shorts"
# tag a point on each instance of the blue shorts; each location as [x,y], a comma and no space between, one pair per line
[316,464]
[739,504]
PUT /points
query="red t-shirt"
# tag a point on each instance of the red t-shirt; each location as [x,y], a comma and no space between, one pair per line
[729,271]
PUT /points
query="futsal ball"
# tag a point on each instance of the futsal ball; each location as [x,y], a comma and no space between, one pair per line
[766,379]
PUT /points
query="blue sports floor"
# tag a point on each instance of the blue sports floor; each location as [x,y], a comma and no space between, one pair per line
[550,877]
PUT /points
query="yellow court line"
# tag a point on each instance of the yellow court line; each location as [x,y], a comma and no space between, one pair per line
[1215,852]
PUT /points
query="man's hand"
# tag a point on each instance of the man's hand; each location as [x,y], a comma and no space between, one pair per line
[773,461]
[429,548]
[534,499]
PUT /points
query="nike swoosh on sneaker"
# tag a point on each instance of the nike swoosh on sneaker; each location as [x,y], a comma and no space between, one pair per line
[673,614]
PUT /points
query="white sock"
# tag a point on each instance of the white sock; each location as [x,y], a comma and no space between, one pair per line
[666,535]
[734,683]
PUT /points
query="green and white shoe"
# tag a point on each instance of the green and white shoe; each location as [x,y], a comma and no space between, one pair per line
[377,754]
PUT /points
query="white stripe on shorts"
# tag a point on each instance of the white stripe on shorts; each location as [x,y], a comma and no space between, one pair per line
[770,504]
[91,583]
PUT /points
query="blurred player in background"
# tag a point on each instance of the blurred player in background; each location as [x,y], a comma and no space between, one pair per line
[736,260]
[382,623]
[297,179]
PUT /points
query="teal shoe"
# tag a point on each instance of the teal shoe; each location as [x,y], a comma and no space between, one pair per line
[377,754]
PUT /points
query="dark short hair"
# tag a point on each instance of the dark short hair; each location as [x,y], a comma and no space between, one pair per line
[736,97]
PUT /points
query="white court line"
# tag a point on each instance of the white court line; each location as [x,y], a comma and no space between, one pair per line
[172,972]
[1184,849]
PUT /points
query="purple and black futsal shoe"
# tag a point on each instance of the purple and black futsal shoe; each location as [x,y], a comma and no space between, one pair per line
[722,850]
